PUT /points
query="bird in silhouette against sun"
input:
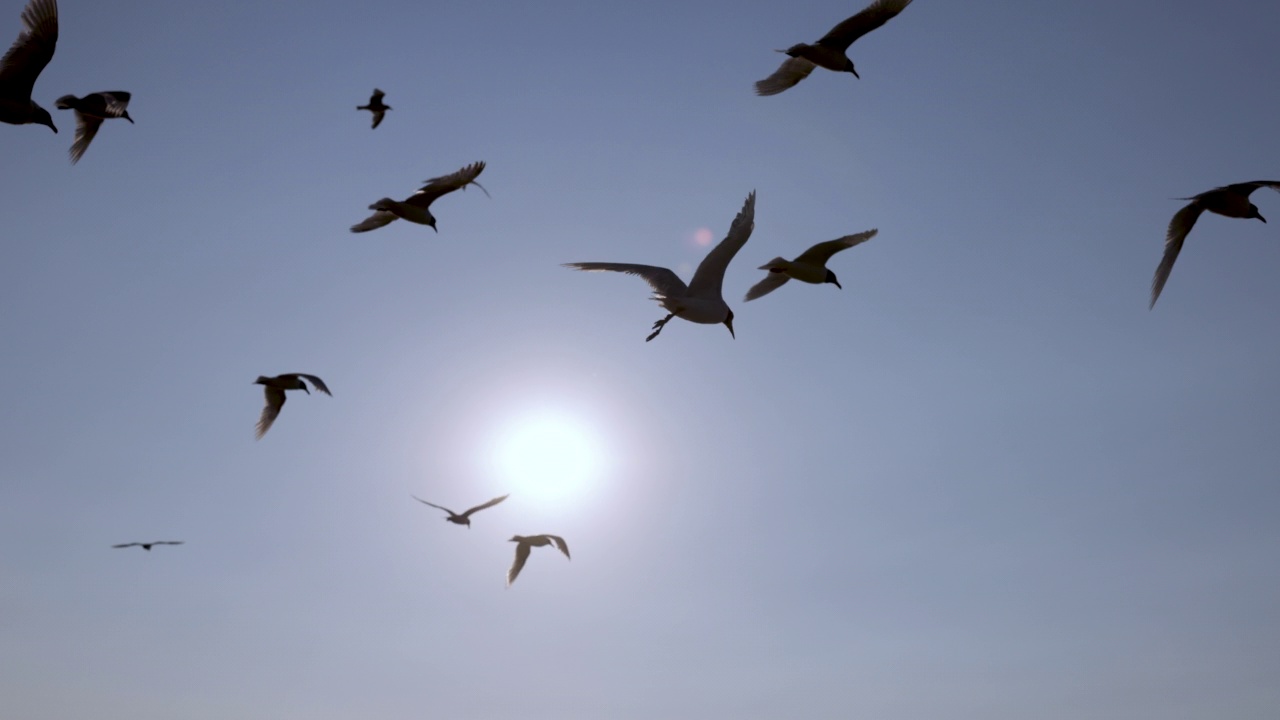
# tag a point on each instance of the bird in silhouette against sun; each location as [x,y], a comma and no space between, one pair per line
[525,543]
[462,518]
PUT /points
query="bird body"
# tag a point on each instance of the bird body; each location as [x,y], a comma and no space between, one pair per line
[416,208]
[147,546]
[274,388]
[809,267]
[91,110]
[701,301]
[831,51]
[523,546]
[23,63]
[465,517]
[1229,200]
[376,107]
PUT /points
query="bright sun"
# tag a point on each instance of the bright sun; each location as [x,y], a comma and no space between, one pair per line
[547,456]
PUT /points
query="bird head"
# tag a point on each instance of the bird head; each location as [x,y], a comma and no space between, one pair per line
[432,222]
[40,116]
[849,68]
[728,322]
[303,387]
[516,538]
[831,278]
[262,380]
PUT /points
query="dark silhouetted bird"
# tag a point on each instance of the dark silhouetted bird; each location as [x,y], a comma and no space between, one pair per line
[147,546]
[1229,200]
[91,110]
[20,67]
[462,518]
[523,545]
[376,107]
[701,301]
[829,52]
[415,209]
[274,390]
[810,267]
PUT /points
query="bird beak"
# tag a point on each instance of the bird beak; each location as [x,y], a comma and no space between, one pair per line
[855,74]
[837,284]
[433,227]
[305,390]
[1262,218]
[729,324]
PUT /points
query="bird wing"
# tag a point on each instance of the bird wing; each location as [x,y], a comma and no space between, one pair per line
[376,97]
[522,554]
[374,221]
[86,128]
[168,542]
[788,74]
[489,504]
[125,545]
[771,282]
[1247,189]
[871,17]
[33,49]
[664,282]
[111,103]
[316,382]
[438,507]
[819,254]
[275,401]
[709,277]
[377,117]
[1182,222]
[560,543]
[437,186]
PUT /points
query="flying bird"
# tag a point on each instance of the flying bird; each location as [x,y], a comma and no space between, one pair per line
[91,110]
[376,107]
[810,267]
[701,300]
[20,67]
[1229,200]
[463,518]
[274,388]
[829,52]
[147,546]
[415,208]
[524,544]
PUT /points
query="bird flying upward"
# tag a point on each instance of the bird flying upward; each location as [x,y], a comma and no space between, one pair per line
[829,52]
[26,58]
[810,267]
[376,106]
[91,110]
[701,301]
[462,518]
[147,546]
[414,209]
[1229,200]
[274,388]
[525,544]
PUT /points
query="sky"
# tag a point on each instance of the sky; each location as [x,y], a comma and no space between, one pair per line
[981,481]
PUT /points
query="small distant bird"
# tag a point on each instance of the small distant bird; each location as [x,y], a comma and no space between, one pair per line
[20,67]
[810,267]
[463,518]
[147,546]
[274,388]
[829,52]
[701,300]
[415,209]
[523,545]
[91,110]
[1229,200]
[376,107]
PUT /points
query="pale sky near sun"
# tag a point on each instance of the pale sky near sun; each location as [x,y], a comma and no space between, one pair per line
[980,482]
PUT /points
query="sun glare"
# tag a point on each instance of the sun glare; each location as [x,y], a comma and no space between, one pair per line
[548,456]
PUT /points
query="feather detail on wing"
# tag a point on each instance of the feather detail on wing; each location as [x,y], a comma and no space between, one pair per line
[709,277]
[788,75]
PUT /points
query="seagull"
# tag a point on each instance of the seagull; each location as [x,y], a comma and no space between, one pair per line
[274,390]
[376,107]
[91,110]
[20,67]
[147,546]
[810,267]
[415,209]
[1228,200]
[464,518]
[524,544]
[700,301]
[829,52]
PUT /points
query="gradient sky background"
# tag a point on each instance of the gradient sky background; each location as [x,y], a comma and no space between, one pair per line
[982,481]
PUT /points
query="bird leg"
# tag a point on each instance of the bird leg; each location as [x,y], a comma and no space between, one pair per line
[657,327]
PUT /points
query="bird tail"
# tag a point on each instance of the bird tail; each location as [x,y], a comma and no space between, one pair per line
[66,102]
[778,262]
[795,50]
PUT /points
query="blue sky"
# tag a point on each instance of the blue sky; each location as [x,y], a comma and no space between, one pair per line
[982,481]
